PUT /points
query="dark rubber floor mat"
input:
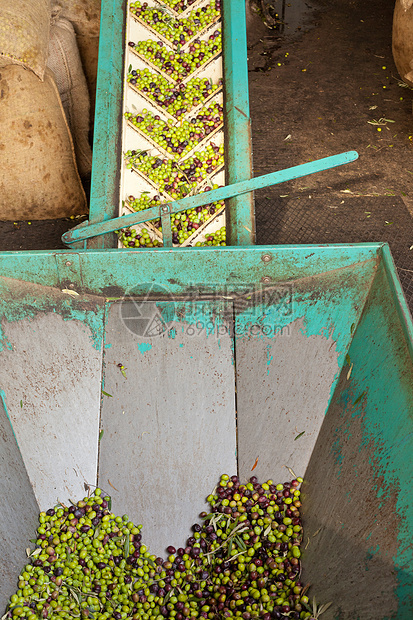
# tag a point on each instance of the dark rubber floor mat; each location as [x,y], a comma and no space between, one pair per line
[38,235]
[339,218]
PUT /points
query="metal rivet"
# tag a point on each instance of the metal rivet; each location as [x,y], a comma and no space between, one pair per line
[266,258]
[165,209]
[71,285]
[265,279]
[68,263]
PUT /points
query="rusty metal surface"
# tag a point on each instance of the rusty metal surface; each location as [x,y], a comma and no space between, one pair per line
[344,526]
[357,506]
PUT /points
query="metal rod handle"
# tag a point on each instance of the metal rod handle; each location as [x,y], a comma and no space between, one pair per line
[222,193]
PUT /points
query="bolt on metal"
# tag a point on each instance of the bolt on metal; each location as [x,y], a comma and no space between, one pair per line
[266,258]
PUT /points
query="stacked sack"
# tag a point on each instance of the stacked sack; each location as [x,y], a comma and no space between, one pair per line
[85,17]
[44,113]
[402,39]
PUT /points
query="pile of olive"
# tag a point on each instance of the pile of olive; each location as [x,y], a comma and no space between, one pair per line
[243,561]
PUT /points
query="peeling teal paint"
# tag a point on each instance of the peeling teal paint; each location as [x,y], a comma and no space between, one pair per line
[3,400]
[108,346]
[269,359]
[143,347]
[383,376]
[15,306]
[371,552]
[327,306]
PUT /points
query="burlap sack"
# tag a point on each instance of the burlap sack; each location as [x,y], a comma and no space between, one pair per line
[402,39]
[85,17]
[64,61]
[24,33]
[89,52]
[38,174]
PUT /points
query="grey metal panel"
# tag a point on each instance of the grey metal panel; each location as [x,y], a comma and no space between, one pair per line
[50,370]
[18,509]
[169,426]
[283,389]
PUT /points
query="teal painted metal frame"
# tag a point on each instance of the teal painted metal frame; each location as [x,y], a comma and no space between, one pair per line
[97,232]
[111,272]
[104,198]
[240,212]
[104,192]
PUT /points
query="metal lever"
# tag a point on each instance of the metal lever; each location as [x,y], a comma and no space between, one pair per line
[86,230]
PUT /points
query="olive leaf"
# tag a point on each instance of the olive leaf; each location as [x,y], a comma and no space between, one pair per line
[315,610]
[229,548]
[168,596]
[74,595]
[324,608]
[291,472]
[126,546]
[228,523]
[359,398]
